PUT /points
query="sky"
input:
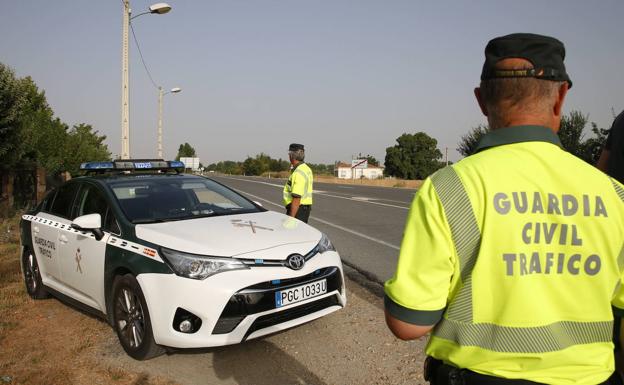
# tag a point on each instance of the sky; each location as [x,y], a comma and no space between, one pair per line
[340,76]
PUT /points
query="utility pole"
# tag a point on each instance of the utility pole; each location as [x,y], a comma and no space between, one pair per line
[160,101]
[125,113]
[446,155]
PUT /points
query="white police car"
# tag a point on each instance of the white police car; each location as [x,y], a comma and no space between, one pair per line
[175,260]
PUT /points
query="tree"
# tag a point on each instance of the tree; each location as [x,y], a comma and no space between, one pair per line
[371,159]
[186,151]
[468,142]
[415,156]
[10,113]
[277,165]
[321,169]
[571,133]
[253,166]
[573,138]
[84,144]
[229,167]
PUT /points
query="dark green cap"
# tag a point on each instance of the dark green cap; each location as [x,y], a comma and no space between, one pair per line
[544,52]
[295,147]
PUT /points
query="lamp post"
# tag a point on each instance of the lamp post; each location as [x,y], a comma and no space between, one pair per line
[162,93]
[158,8]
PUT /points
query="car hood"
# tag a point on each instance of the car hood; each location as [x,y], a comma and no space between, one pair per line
[268,235]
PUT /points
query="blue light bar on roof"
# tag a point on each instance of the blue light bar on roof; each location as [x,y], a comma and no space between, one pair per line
[130,165]
[96,165]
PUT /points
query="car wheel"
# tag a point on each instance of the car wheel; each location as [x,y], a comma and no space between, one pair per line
[131,319]
[32,276]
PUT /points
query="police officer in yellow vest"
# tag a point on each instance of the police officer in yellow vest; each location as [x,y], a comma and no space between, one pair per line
[298,188]
[513,257]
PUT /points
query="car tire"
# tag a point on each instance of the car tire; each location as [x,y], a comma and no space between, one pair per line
[32,276]
[131,319]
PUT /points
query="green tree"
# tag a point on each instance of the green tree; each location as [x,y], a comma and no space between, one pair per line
[371,159]
[24,112]
[230,167]
[468,142]
[254,166]
[186,151]
[415,156]
[276,165]
[84,144]
[572,136]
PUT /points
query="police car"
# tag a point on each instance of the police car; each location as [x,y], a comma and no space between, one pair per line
[176,260]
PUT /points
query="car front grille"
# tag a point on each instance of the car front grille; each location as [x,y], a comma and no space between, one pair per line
[261,297]
[287,315]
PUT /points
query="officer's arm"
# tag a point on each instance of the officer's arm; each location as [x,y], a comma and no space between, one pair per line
[603,160]
[404,330]
[621,341]
[294,206]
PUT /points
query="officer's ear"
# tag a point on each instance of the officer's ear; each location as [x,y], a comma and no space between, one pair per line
[561,94]
[477,93]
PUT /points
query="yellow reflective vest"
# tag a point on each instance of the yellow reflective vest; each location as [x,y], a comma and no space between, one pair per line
[516,254]
[299,185]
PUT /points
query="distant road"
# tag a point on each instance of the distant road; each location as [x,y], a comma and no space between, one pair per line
[365,223]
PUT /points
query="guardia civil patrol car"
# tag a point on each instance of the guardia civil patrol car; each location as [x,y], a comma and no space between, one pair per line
[175,260]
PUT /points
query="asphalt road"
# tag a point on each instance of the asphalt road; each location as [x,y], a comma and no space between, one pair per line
[365,223]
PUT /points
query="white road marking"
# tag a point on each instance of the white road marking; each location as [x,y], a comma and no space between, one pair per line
[363,201]
[281,186]
[332,224]
[323,193]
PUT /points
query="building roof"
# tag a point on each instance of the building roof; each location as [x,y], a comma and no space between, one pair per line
[346,165]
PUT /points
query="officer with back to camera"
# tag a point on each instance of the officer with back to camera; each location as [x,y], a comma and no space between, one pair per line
[513,257]
[298,188]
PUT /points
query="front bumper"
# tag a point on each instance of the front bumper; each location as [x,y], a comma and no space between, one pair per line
[239,305]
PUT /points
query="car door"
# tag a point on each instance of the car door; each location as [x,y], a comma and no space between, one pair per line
[81,255]
[46,231]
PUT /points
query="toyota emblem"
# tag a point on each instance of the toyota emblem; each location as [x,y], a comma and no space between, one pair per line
[295,261]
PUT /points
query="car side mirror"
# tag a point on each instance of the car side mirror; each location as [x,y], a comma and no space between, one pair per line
[89,222]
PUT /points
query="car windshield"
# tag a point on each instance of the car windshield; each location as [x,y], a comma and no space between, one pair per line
[171,198]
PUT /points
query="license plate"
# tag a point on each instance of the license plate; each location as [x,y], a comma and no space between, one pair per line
[300,293]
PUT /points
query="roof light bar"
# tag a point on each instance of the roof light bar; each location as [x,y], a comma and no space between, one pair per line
[133,165]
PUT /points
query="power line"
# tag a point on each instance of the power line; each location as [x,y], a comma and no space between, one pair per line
[142,59]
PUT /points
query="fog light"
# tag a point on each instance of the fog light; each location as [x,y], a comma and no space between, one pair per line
[186,322]
[186,326]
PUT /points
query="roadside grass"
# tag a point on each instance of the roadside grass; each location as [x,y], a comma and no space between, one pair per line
[48,342]
[11,291]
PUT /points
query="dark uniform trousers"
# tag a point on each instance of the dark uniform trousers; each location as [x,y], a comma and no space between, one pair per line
[303,213]
[439,373]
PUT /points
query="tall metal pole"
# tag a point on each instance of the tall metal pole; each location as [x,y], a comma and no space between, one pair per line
[125,111]
[160,102]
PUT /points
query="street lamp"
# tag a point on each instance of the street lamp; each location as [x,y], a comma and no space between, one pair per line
[158,8]
[162,93]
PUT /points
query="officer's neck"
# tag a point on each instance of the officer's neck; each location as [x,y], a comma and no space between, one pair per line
[526,120]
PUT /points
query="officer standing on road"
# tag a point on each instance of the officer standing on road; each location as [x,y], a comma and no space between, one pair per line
[514,255]
[611,158]
[298,188]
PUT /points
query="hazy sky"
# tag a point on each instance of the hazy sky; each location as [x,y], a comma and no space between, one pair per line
[341,77]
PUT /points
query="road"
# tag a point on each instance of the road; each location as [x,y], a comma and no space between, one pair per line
[365,223]
[352,346]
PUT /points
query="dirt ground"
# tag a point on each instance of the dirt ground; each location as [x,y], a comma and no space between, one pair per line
[49,342]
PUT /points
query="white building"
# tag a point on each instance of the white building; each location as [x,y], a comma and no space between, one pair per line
[192,163]
[346,171]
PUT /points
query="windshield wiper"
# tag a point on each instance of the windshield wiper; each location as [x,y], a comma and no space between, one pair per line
[145,221]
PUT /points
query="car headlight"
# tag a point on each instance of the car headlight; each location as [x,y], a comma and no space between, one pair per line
[199,266]
[325,244]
